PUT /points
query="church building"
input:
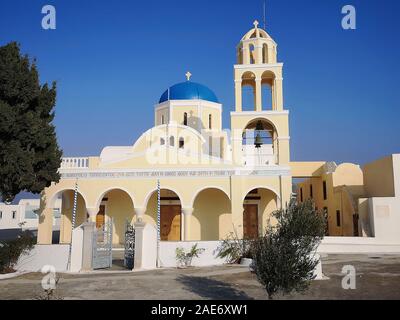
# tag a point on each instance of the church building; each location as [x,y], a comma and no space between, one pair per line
[213,181]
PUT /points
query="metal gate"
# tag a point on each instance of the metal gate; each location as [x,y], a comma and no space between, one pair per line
[129,256]
[102,246]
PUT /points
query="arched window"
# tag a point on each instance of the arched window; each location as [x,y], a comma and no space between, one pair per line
[267,87]
[252,54]
[181,143]
[162,119]
[209,121]
[185,119]
[248,91]
[265,53]
[171,141]
[162,141]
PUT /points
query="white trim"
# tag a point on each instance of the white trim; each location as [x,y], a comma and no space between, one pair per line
[187,103]
[258,66]
[259,113]
[162,108]
[56,194]
[193,173]
[164,104]
[283,138]
[257,39]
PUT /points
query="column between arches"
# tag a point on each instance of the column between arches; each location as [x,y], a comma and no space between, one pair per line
[187,213]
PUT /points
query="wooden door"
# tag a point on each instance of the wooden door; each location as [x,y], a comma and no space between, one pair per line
[170,224]
[250,221]
[100,217]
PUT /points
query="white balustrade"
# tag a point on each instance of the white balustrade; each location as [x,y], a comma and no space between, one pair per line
[76,163]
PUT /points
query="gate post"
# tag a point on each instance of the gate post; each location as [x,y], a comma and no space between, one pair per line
[88,230]
[145,246]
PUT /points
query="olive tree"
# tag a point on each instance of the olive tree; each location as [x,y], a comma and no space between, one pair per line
[283,259]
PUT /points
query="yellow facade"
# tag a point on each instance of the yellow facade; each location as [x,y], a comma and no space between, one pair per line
[208,172]
[350,194]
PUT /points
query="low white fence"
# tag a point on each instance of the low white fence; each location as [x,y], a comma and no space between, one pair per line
[76,163]
[207,258]
[55,255]
[357,245]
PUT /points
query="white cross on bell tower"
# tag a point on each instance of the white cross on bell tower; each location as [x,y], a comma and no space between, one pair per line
[188,75]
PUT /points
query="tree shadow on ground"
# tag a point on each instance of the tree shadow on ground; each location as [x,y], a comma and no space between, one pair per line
[212,289]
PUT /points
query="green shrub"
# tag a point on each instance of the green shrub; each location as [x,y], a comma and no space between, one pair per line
[11,250]
[283,259]
[185,258]
[233,249]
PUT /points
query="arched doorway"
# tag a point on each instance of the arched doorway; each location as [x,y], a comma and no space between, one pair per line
[212,217]
[115,204]
[258,206]
[65,201]
[170,214]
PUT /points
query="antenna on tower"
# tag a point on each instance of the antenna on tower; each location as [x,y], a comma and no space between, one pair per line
[264,11]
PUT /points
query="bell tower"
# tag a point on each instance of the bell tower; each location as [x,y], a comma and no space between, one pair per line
[260,131]
[257,67]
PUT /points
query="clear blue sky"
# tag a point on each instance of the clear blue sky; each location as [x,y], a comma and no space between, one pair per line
[113,59]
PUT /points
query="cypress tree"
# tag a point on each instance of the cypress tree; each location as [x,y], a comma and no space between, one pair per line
[29,152]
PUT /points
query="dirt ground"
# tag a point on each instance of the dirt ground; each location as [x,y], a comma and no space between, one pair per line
[378,277]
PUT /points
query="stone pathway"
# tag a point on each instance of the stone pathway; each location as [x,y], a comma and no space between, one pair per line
[378,277]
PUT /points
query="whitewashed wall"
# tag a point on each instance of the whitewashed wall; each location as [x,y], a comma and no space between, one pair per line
[357,245]
[21,209]
[207,258]
[384,217]
[41,255]
[6,219]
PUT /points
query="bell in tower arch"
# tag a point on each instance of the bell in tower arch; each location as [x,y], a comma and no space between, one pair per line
[258,141]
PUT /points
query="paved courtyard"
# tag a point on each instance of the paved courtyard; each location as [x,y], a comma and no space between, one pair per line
[378,277]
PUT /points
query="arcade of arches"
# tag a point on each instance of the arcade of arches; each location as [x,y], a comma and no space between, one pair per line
[208,219]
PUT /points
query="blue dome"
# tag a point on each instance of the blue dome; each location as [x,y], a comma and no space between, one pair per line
[188,91]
